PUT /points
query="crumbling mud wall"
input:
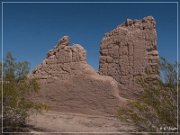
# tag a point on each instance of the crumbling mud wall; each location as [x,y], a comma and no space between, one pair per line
[69,84]
[63,62]
[129,52]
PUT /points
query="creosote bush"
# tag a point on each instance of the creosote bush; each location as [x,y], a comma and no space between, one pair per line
[156,109]
[16,88]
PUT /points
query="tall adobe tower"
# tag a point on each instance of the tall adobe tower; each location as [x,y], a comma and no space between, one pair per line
[130,52]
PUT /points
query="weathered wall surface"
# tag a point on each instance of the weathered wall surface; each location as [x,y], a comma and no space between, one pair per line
[130,51]
[63,62]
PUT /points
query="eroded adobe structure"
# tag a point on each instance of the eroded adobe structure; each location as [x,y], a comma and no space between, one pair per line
[69,84]
[63,62]
[130,51]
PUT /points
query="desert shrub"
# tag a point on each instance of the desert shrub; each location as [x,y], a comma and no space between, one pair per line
[156,108]
[16,88]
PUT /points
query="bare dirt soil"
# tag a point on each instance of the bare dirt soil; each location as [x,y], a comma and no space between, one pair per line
[51,121]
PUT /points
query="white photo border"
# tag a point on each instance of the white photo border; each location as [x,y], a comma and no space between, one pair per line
[105,2]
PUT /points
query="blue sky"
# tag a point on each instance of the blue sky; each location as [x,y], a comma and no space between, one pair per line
[30,30]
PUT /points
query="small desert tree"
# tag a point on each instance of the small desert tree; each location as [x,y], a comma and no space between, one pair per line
[156,108]
[16,87]
[169,72]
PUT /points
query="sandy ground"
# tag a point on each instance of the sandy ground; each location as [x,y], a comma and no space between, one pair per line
[51,121]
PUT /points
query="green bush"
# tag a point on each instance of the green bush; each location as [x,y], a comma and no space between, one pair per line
[156,108]
[16,88]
